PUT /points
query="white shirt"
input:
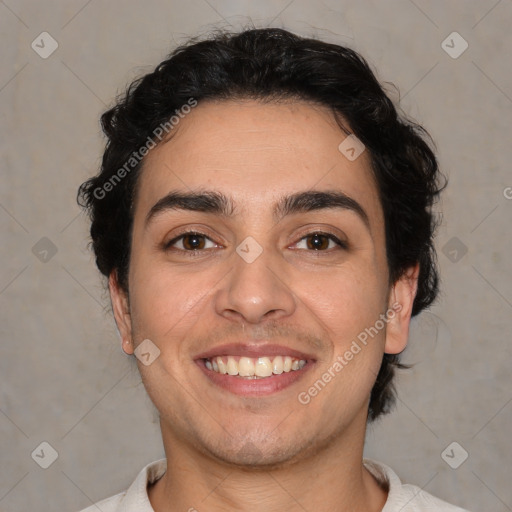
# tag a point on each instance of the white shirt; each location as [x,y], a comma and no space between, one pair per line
[401,497]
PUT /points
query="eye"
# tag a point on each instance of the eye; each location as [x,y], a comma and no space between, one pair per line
[320,242]
[191,241]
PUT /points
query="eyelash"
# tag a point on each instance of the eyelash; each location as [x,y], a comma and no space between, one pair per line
[340,243]
[193,253]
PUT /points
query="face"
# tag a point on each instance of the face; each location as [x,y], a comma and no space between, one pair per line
[257,241]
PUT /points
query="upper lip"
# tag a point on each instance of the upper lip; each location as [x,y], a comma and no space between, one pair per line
[258,349]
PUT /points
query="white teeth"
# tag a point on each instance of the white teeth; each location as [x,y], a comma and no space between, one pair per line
[277,366]
[254,368]
[232,366]
[222,366]
[245,367]
[263,368]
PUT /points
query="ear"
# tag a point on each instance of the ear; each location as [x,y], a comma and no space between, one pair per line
[121,308]
[401,299]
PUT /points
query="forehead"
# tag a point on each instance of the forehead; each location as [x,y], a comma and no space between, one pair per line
[256,152]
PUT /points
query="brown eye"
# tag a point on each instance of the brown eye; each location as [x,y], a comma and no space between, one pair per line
[317,241]
[192,241]
[321,242]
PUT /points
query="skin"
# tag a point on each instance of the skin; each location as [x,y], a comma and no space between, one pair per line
[227,452]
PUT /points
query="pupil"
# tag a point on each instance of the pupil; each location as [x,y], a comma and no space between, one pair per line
[193,241]
[318,241]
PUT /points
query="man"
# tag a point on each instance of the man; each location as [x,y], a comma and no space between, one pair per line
[263,216]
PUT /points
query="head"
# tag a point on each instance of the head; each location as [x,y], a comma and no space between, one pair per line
[239,136]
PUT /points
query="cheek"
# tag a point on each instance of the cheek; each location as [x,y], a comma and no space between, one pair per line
[345,303]
[165,303]
[345,300]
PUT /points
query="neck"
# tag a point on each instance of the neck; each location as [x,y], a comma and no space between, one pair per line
[331,478]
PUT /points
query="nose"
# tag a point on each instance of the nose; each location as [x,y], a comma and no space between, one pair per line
[255,291]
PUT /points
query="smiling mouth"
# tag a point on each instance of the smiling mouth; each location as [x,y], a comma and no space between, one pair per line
[249,369]
[254,367]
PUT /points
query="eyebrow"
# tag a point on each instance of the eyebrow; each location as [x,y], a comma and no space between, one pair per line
[214,202]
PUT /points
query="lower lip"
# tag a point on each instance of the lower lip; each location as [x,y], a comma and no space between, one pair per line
[255,387]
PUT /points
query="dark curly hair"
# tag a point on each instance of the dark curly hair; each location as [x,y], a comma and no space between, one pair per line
[273,64]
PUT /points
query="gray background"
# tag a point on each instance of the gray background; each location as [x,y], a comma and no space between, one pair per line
[64,378]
